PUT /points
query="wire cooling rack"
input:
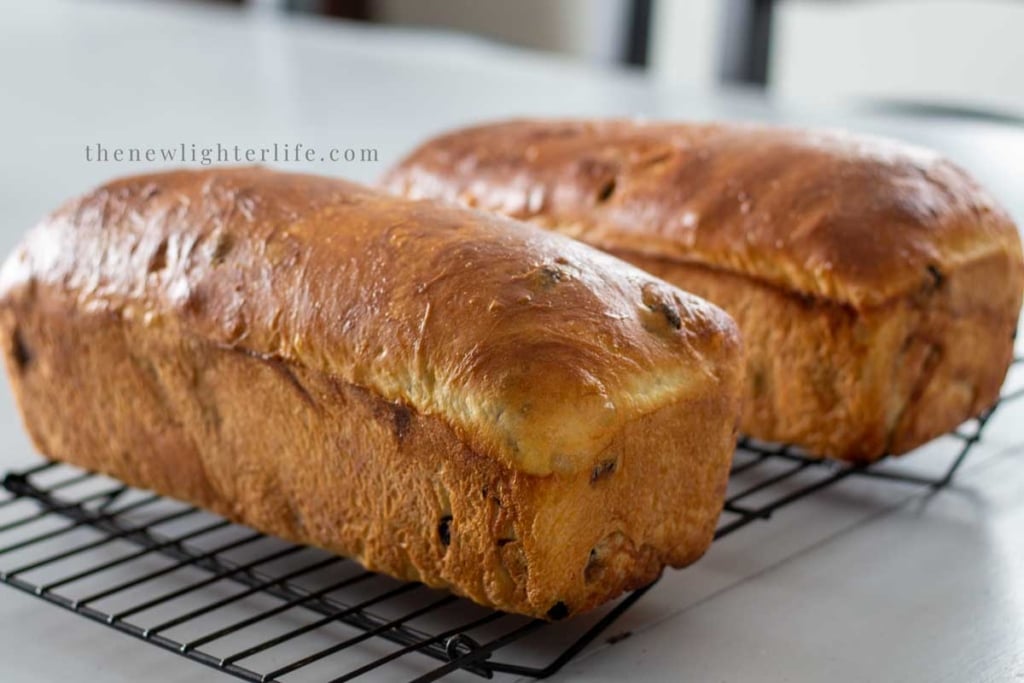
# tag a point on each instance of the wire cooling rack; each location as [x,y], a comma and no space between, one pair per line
[260,609]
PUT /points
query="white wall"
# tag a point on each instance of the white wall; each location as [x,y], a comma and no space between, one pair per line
[593,30]
[686,41]
[954,52]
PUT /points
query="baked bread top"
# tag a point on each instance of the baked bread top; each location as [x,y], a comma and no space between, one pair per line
[534,348]
[858,220]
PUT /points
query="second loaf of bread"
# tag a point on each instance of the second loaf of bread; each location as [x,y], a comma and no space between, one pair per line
[446,396]
[877,286]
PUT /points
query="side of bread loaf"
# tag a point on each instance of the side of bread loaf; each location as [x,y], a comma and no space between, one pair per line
[448,397]
[877,286]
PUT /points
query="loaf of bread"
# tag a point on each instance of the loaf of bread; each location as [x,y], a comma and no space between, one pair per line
[876,285]
[447,396]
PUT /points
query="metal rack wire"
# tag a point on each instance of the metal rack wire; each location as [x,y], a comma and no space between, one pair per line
[263,610]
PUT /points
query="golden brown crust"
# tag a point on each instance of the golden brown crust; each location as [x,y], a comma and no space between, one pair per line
[858,220]
[115,374]
[877,286]
[536,348]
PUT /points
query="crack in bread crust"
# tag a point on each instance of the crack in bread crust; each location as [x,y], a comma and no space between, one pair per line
[857,384]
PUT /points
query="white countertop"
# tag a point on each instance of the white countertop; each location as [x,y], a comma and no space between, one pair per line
[868,581]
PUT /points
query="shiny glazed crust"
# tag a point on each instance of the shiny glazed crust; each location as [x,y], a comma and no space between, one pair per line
[317,361]
[877,286]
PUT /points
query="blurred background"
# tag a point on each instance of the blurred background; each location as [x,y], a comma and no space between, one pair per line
[378,76]
[948,56]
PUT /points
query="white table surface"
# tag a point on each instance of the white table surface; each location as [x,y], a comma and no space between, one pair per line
[870,581]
